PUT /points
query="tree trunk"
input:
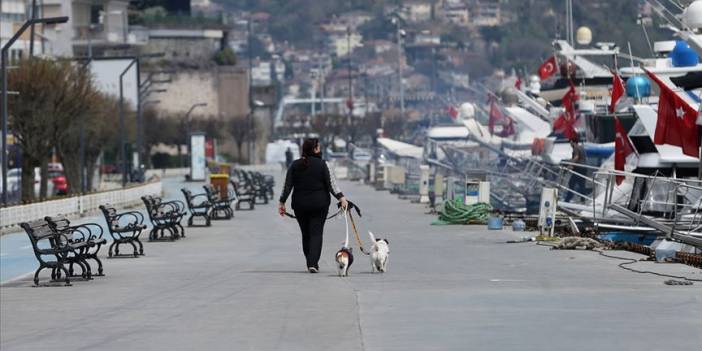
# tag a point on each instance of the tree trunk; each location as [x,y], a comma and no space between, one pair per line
[71,170]
[180,156]
[90,164]
[44,171]
[28,165]
[239,150]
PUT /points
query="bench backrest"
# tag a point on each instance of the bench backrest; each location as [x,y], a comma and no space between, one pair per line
[58,223]
[188,196]
[38,231]
[110,214]
[210,191]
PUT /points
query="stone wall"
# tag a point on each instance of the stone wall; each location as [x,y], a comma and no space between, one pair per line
[224,89]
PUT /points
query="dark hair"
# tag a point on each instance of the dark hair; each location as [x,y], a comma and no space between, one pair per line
[308,147]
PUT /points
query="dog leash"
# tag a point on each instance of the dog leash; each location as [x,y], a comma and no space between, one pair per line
[328,218]
[358,237]
[351,206]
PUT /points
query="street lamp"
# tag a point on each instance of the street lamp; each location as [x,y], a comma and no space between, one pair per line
[3,68]
[123,145]
[400,35]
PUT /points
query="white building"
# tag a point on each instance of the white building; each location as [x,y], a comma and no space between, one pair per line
[12,16]
[94,25]
[487,13]
[343,44]
[418,10]
[456,12]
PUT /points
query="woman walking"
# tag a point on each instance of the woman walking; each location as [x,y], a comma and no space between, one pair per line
[312,182]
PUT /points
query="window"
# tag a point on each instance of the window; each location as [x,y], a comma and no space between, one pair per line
[96,12]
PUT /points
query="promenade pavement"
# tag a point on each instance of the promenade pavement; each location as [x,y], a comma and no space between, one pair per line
[242,285]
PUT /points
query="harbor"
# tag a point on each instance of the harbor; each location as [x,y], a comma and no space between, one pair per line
[351,175]
[242,284]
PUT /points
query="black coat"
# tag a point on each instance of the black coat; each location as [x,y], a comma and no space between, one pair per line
[310,181]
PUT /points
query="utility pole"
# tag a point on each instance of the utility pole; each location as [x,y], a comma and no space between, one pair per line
[399,68]
[251,109]
[122,141]
[350,101]
[31,29]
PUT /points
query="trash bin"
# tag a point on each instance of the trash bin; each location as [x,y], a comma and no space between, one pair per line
[220,181]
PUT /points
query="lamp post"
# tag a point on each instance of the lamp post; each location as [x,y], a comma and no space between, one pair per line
[144,91]
[3,69]
[123,144]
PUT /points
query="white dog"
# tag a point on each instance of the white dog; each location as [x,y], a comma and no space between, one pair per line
[379,254]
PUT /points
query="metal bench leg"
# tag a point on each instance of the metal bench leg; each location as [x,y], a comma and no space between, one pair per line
[109,249]
[36,275]
[99,263]
[141,246]
[68,279]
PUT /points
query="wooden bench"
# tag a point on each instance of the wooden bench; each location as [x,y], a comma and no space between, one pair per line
[124,228]
[242,195]
[89,233]
[198,205]
[221,207]
[54,251]
[165,218]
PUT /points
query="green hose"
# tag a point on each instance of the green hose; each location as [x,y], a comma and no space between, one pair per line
[455,212]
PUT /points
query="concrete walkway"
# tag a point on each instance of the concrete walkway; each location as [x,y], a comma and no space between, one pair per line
[241,285]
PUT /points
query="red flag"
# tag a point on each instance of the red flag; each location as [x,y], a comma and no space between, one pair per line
[617,91]
[677,121]
[548,68]
[622,149]
[497,117]
[518,83]
[452,112]
[566,126]
[569,100]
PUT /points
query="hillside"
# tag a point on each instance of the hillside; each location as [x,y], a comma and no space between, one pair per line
[521,43]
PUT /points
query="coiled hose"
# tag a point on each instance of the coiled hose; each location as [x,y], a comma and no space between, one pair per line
[456,212]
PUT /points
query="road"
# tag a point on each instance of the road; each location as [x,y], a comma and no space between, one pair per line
[242,285]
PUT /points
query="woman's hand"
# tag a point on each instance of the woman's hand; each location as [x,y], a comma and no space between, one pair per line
[344,203]
[281,209]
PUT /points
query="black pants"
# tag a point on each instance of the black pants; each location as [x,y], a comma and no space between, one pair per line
[312,228]
[576,183]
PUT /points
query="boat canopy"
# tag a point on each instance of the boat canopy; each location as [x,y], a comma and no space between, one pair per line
[401,149]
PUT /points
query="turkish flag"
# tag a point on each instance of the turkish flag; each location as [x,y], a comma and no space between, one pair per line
[566,126]
[617,91]
[498,117]
[548,68]
[518,83]
[452,112]
[677,121]
[569,100]
[622,149]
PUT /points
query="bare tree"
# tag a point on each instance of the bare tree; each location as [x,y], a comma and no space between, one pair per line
[43,91]
[241,130]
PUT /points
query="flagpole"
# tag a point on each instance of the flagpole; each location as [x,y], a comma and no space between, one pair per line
[631,58]
[699,166]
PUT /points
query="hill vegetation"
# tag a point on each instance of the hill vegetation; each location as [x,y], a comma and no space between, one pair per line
[522,42]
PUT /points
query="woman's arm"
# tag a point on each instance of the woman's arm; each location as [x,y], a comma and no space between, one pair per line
[330,182]
[288,186]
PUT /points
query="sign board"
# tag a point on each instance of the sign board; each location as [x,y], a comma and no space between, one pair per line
[547,211]
[198,162]
[106,74]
